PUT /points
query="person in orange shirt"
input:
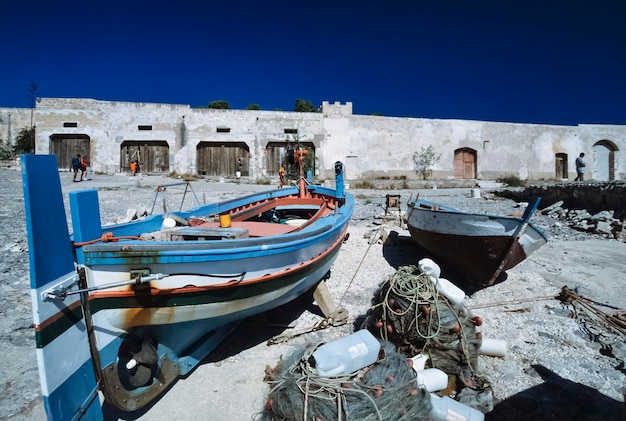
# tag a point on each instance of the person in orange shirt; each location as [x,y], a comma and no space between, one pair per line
[83,169]
[133,168]
[281,174]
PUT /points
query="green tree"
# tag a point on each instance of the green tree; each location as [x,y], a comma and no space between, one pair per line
[424,160]
[253,107]
[6,152]
[25,141]
[219,105]
[303,106]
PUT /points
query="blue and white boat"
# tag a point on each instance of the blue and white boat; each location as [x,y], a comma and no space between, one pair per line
[122,311]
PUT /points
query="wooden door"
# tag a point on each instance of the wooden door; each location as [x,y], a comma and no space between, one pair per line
[153,156]
[465,163]
[560,166]
[222,159]
[67,146]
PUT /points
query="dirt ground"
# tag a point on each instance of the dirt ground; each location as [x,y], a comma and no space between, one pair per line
[559,365]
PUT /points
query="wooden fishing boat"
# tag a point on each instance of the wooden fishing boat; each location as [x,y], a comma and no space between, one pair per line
[122,311]
[478,247]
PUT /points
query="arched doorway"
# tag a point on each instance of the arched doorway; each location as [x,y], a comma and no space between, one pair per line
[66,146]
[152,155]
[276,155]
[223,159]
[560,166]
[465,163]
[605,154]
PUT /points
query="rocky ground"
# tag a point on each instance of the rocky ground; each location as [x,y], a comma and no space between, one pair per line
[560,363]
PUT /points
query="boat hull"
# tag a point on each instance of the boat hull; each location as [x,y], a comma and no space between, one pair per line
[121,312]
[474,245]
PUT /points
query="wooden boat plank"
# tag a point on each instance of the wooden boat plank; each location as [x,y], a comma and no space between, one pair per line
[206,232]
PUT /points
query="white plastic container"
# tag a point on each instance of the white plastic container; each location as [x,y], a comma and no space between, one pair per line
[168,223]
[447,409]
[432,379]
[419,362]
[493,347]
[429,267]
[346,355]
[452,292]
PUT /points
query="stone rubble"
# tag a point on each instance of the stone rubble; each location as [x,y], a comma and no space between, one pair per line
[602,223]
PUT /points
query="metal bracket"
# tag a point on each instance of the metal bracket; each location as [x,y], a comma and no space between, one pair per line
[61,289]
[126,400]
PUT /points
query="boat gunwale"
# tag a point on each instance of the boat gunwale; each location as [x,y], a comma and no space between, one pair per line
[452,211]
[243,244]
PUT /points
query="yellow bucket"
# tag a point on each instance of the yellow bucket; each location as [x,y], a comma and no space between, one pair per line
[225,220]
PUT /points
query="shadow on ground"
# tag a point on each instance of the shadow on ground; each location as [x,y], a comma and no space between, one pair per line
[558,399]
[248,334]
[401,250]
[263,327]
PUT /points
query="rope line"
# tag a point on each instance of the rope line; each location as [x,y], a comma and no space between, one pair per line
[107,237]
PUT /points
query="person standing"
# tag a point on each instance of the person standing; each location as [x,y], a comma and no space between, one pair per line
[580,167]
[76,166]
[83,168]
[133,168]
[281,174]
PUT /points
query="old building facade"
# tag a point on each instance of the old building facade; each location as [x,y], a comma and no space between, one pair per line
[171,137]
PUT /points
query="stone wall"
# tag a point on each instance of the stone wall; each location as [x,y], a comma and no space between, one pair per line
[370,146]
[591,196]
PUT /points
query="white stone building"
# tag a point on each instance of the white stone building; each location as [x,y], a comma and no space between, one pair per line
[170,137]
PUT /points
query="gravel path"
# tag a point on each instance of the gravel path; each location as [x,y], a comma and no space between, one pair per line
[557,367]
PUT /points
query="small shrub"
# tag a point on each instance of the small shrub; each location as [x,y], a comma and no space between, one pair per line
[512,180]
[362,184]
[424,160]
[5,153]
[263,181]
[188,176]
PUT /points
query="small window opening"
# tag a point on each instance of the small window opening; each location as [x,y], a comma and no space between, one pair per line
[291,131]
[144,127]
[223,129]
[70,124]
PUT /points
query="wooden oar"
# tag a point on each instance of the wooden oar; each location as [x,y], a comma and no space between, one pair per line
[528,213]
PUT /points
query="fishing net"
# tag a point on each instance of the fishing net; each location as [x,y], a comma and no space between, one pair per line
[384,391]
[408,311]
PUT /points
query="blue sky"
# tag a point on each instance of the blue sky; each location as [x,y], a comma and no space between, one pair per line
[536,61]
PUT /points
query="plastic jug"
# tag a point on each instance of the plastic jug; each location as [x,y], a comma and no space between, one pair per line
[493,347]
[446,288]
[429,267]
[452,292]
[447,409]
[432,379]
[346,355]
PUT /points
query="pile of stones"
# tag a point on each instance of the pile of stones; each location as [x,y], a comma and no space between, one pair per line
[602,223]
